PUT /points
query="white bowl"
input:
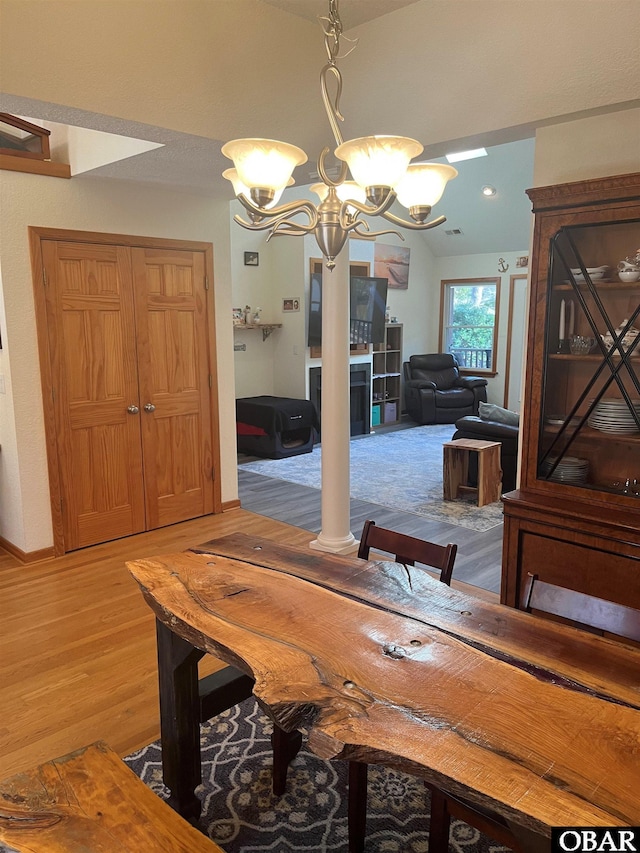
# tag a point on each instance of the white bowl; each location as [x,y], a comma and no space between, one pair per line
[629,275]
[594,273]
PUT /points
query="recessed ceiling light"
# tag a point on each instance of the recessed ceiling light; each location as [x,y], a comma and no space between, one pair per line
[487,190]
[466,155]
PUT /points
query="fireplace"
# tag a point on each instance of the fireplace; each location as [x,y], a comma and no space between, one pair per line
[359,393]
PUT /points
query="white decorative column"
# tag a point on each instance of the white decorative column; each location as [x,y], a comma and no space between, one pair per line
[335,535]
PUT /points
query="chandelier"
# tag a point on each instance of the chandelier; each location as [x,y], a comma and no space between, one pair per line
[380,167]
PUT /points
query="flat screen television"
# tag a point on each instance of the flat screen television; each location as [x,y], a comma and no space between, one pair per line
[367,301]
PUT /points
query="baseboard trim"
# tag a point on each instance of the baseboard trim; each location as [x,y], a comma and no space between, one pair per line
[27,556]
[227,505]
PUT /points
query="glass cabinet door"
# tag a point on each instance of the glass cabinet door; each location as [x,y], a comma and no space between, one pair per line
[589,435]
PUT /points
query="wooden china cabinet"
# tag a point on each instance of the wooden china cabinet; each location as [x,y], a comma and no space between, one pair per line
[575,520]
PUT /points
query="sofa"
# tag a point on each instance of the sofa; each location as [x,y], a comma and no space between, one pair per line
[472,426]
[436,393]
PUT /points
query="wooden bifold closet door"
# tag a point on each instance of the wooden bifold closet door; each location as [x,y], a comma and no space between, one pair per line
[129,362]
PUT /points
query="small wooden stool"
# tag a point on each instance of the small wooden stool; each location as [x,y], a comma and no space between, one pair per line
[89,800]
[455,469]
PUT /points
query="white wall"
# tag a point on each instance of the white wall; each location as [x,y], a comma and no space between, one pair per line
[88,205]
[290,344]
[594,147]
[253,286]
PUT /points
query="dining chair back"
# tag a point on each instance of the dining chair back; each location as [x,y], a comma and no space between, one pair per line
[547,600]
[585,611]
[408,550]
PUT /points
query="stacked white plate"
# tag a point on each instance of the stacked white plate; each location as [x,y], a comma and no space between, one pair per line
[594,273]
[613,415]
[570,469]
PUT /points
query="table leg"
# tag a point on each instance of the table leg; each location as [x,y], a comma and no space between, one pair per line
[179,720]
[357,806]
[286,745]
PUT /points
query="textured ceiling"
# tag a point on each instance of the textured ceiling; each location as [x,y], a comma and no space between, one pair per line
[352,12]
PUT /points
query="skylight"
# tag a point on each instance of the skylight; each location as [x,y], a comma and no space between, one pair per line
[466,155]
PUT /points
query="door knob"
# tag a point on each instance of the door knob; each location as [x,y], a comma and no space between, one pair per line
[149,407]
[133,410]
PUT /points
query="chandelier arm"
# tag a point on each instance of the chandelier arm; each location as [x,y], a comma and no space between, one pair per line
[369,233]
[260,225]
[348,221]
[414,226]
[293,229]
[380,210]
[297,206]
[267,221]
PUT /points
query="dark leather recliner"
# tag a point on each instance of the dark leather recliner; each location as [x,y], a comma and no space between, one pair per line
[435,393]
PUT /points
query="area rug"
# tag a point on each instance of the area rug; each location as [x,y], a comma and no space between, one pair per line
[240,813]
[400,470]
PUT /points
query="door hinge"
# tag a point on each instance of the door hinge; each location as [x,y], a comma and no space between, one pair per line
[210,381]
[206,282]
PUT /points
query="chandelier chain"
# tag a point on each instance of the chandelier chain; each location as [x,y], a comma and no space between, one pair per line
[332,28]
[332,31]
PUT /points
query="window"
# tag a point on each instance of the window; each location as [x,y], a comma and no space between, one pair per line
[469,322]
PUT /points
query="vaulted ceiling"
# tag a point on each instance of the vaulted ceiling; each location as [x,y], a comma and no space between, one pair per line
[195,73]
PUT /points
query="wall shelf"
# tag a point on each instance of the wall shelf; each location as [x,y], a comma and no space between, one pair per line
[267,328]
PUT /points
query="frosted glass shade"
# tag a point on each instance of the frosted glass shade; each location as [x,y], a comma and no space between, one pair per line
[378,161]
[423,184]
[264,163]
[345,191]
[241,189]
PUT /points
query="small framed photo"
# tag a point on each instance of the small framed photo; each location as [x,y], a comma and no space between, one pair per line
[238,316]
[523,261]
[251,259]
[292,304]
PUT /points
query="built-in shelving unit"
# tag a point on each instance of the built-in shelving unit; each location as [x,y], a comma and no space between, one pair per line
[386,378]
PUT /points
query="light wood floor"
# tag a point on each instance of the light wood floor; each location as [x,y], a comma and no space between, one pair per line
[77,646]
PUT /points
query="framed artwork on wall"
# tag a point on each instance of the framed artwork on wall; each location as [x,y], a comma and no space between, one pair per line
[291,304]
[392,263]
[251,259]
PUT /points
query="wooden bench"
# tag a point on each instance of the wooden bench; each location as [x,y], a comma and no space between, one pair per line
[455,470]
[89,800]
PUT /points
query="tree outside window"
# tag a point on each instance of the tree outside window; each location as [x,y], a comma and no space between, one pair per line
[469,322]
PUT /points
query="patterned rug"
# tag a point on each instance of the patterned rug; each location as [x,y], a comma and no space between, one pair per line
[241,814]
[400,470]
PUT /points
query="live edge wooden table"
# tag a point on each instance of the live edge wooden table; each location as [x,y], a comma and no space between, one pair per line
[381,663]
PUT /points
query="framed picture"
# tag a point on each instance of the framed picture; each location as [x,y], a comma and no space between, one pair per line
[238,316]
[392,263]
[292,304]
[251,259]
